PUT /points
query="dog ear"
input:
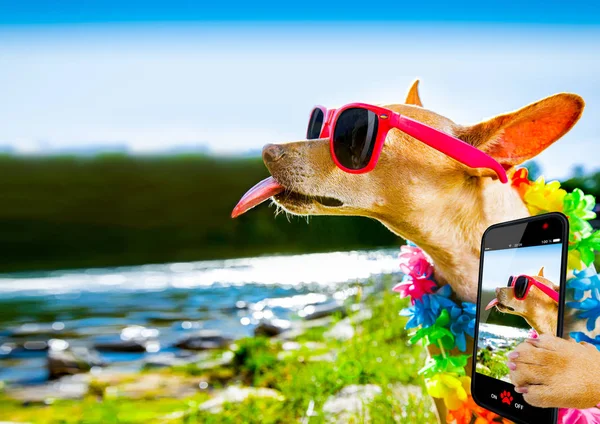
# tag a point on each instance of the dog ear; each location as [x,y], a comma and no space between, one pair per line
[515,137]
[413,98]
[541,273]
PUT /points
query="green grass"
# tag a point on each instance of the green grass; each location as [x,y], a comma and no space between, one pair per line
[378,354]
[91,410]
[495,362]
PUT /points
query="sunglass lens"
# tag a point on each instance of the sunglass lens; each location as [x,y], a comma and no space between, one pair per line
[315,124]
[521,287]
[510,281]
[354,137]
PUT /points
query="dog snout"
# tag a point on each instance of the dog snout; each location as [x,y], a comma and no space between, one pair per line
[272,153]
[503,294]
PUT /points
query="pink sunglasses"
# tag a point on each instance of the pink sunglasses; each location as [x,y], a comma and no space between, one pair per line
[357,133]
[522,285]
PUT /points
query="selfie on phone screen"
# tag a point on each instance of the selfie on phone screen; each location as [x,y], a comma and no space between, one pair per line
[520,298]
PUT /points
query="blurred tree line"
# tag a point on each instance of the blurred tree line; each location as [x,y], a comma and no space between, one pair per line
[588,183]
[109,210]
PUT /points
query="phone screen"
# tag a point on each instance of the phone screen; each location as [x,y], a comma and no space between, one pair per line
[520,295]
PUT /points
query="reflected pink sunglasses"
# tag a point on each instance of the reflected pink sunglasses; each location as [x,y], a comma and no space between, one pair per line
[357,133]
[522,285]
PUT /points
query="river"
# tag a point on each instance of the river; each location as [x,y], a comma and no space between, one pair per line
[165,302]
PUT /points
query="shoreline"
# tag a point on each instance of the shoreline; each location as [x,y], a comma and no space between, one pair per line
[142,313]
[361,357]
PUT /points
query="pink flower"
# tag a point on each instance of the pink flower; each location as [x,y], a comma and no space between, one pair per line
[418,271]
[533,334]
[415,288]
[414,263]
[579,416]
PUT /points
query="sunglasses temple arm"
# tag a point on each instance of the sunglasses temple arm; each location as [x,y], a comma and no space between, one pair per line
[451,146]
[548,290]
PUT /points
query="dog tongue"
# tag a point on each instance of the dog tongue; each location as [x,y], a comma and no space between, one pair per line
[491,304]
[256,195]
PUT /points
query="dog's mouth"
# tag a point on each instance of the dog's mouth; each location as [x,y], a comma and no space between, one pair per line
[269,187]
[296,198]
[504,308]
[500,306]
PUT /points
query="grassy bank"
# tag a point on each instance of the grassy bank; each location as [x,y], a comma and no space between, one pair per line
[304,379]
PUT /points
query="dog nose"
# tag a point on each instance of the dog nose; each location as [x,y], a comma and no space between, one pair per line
[272,152]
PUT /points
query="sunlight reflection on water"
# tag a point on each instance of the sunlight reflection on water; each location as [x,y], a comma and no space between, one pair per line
[322,269]
[158,305]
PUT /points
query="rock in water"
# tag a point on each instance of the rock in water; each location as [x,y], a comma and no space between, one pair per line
[65,360]
[319,311]
[203,340]
[122,346]
[133,338]
[272,327]
[170,359]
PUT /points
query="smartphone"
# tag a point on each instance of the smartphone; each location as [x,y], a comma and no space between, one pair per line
[522,274]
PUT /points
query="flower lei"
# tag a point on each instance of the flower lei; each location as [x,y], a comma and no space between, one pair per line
[441,322]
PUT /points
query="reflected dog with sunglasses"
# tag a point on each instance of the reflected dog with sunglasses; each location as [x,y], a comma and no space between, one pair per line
[534,298]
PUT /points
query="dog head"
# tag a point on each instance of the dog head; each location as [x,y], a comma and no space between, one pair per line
[539,310]
[416,191]
[411,177]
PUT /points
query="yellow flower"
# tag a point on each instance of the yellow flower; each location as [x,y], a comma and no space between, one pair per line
[574,261]
[451,387]
[541,197]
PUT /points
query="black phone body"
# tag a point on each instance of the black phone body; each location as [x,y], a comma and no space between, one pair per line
[517,249]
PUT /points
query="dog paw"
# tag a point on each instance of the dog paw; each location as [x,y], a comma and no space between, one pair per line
[552,372]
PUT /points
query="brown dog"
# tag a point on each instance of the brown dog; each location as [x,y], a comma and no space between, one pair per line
[421,194]
[538,309]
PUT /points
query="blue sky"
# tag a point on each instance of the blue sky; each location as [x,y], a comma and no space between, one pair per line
[501,264]
[233,77]
[506,11]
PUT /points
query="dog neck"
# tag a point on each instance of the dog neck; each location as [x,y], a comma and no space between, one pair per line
[450,230]
[539,320]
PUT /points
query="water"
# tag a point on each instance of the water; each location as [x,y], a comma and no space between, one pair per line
[87,307]
[500,336]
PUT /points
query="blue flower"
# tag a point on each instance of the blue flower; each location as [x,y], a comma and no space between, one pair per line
[590,308]
[582,337]
[426,310]
[462,323]
[583,281]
